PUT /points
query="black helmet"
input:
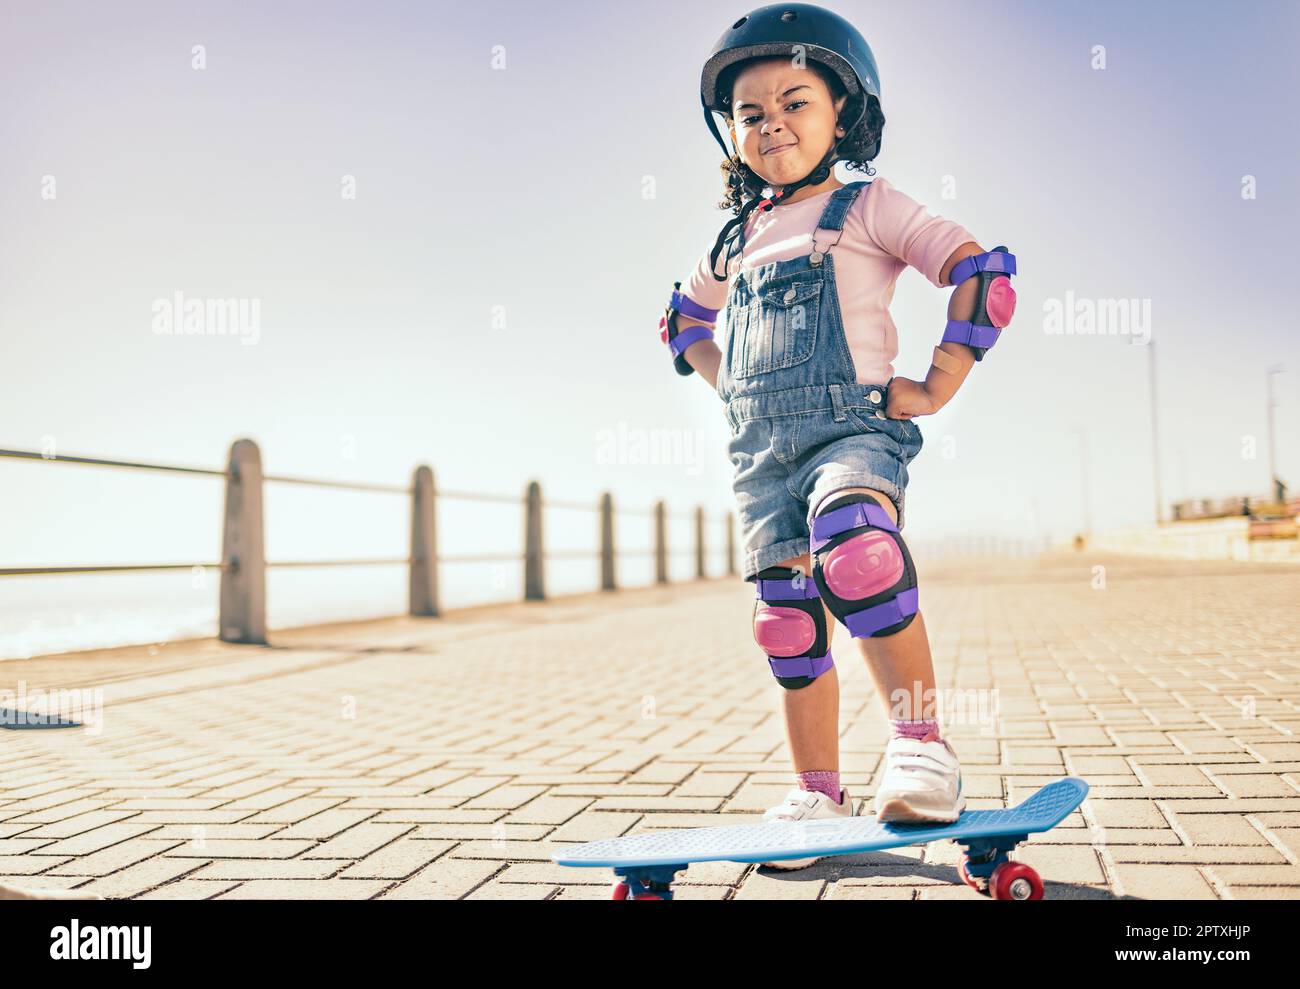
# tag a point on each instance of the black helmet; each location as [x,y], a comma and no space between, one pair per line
[777,29]
[781,29]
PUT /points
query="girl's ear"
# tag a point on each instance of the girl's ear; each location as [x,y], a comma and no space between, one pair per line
[839,108]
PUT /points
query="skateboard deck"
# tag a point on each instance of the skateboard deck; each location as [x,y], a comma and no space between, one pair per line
[646,863]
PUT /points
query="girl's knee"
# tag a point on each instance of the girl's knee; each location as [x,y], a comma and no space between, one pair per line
[801,563]
[886,502]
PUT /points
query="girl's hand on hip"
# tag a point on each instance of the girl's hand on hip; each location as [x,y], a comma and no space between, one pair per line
[908,398]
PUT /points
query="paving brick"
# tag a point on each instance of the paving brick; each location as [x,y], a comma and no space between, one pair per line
[398,860]
[1277,874]
[198,818]
[92,841]
[1197,854]
[305,889]
[444,879]
[1155,774]
[113,859]
[359,841]
[206,832]
[268,848]
[497,890]
[80,824]
[1218,829]
[135,880]
[53,807]
[1164,882]
[1257,785]
[30,865]
[1125,813]
[326,824]
[271,869]
[549,810]
[850,890]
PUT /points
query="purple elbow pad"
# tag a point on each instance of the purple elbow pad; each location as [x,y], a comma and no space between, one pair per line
[994,304]
[678,341]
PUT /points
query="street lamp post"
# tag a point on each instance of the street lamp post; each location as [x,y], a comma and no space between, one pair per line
[1272,449]
[1084,481]
[1155,436]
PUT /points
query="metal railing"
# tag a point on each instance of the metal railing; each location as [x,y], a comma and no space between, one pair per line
[243,564]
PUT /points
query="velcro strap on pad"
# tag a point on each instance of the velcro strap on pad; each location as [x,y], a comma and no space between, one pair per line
[971,334]
[784,589]
[687,306]
[847,517]
[994,260]
[871,620]
[800,666]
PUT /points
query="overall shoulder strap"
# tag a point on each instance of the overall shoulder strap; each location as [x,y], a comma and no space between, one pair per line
[837,208]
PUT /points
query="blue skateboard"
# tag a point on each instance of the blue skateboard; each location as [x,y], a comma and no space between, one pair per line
[646,864]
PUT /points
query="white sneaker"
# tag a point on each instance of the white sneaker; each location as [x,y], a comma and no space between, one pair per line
[803,805]
[922,781]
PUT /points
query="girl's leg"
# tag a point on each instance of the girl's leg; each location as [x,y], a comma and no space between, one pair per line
[812,713]
[902,661]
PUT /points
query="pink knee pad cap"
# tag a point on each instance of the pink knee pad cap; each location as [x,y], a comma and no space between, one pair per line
[784,631]
[863,566]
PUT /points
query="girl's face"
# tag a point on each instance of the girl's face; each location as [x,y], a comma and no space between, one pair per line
[783,119]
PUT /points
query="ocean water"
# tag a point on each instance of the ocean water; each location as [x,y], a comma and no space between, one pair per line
[53,614]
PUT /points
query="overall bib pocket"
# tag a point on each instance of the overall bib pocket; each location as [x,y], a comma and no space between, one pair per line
[778,329]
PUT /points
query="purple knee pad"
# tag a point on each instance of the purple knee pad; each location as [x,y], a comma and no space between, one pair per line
[862,568]
[790,626]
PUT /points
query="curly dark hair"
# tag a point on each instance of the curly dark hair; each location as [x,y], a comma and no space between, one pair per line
[743,184]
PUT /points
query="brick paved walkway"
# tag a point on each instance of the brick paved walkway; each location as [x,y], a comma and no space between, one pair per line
[445,758]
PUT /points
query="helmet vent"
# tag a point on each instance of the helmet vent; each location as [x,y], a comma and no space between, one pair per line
[740,22]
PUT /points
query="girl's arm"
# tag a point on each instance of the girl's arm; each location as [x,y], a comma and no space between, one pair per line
[908,398]
[941,383]
[705,355]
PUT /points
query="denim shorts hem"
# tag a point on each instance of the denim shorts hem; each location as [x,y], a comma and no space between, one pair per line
[769,556]
[825,488]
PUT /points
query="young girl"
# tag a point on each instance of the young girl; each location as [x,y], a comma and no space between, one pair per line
[821,429]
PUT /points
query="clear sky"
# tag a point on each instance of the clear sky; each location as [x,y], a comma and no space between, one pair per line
[530,179]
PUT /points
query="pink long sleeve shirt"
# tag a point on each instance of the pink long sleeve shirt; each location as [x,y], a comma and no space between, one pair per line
[884,231]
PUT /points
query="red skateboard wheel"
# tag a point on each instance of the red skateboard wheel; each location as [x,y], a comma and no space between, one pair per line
[975,884]
[1015,881]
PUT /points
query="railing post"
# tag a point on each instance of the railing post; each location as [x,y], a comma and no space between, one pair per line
[242,616]
[699,542]
[423,596]
[661,544]
[534,589]
[607,582]
[731,547]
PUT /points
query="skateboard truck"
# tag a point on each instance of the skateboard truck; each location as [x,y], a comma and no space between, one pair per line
[646,882]
[986,868]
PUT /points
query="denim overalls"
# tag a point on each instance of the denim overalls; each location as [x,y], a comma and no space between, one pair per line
[801,426]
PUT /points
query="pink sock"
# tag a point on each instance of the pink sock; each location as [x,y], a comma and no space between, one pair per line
[915,729]
[825,781]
